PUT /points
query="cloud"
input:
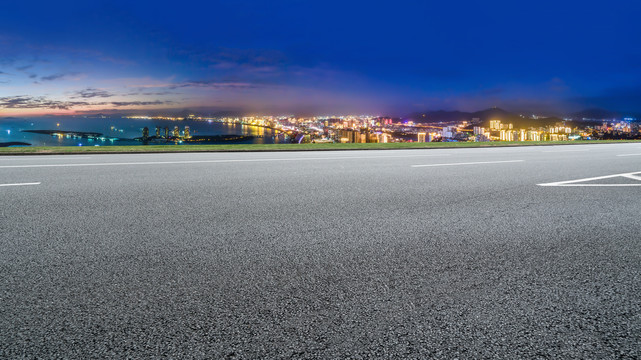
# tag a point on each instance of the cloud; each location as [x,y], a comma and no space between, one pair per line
[159,93]
[117,61]
[58,76]
[198,84]
[88,54]
[90,93]
[216,84]
[138,103]
[36,102]
[24,68]
[40,102]
[53,77]
[224,58]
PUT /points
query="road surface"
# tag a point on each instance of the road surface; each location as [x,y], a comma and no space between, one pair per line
[527,252]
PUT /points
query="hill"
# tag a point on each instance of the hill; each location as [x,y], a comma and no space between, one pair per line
[596,114]
[484,117]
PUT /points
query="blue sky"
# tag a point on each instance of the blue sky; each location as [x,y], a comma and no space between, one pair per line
[319,57]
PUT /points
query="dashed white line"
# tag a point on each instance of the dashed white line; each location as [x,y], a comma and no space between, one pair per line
[21,184]
[43,158]
[213,161]
[629,155]
[470,163]
[563,151]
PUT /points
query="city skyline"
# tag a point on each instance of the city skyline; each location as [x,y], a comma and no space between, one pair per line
[295,57]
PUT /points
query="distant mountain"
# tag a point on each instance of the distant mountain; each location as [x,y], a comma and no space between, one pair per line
[484,117]
[440,115]
[595,114]
[99,115]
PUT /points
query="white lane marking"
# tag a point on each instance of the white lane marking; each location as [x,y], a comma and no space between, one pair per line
[43,158]
[587,185]
[470,163]
[629,155]
[213,161]
[21,184]
[579,181]
[562,151]
[631,176]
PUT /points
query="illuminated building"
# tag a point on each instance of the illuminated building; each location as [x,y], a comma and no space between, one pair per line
[145,133]
[176,132]
[449,131]
[354,136]
[533,136]
[384,138]
[187,132]
[166,132]
[157,131]
[421,137]
[508,135]
[495,124]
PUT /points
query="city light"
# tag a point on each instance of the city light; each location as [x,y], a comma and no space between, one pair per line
[378,129]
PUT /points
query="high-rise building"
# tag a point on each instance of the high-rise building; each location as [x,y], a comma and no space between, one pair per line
[421,137]
[145,133]
[187,136]
[495,124]
[449,131]
[157,131]
[166,132]
[176,132]
[508,135]
[384,138]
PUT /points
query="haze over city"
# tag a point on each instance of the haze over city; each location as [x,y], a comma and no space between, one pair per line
[309,58]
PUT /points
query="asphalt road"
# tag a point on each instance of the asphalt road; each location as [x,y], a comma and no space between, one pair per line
[359,254]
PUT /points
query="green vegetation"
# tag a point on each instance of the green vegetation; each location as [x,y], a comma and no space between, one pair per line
[282,147]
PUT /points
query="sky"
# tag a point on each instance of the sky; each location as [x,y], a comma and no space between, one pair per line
[318,57]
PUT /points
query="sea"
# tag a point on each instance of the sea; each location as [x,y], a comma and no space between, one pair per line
[122,129]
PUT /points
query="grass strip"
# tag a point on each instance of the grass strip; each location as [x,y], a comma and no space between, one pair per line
[283,147]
